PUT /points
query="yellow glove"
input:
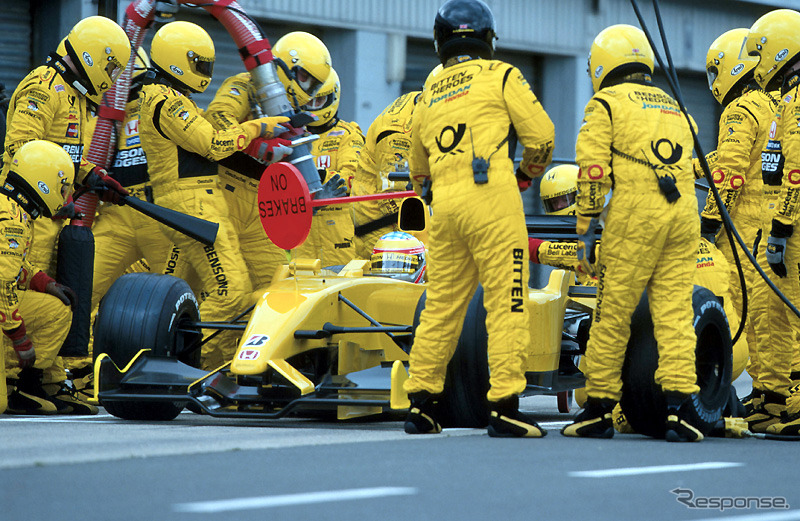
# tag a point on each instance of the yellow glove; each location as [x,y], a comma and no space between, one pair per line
[265,127]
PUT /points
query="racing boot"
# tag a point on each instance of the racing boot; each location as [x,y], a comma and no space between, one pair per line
[28,396]
[790,418]
[67,401]
[752,400]
[505,421]
[83,382]
[767,412]
[795,377]
[420,418]
[621,424]
[679,427]
[594,421]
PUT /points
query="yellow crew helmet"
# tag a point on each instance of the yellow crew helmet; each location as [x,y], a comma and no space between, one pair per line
[141,63]
[40,177]
[558,189]
[775,38]
[99,50]
[619,50]
[727,63]
[309,63]
[184,53]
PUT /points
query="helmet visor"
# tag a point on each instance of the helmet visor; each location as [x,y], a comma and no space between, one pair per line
[320,102]
[114,69]
[203,66]
[307,82]
[395,262]
[712,73]
[559,202]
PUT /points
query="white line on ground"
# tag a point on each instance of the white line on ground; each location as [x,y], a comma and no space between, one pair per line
[635,471]
[251,503]
[98,418]
[791,515]
[555,424]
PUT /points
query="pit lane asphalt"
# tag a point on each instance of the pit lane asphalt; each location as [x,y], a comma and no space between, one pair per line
[196,467]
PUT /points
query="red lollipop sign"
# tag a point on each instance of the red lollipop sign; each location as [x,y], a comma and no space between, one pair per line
[284,205]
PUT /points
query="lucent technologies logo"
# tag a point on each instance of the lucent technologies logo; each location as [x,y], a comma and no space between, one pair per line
[687,497]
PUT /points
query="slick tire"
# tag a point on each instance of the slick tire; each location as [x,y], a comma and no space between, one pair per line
[463,402]
[643,401]
[146,311]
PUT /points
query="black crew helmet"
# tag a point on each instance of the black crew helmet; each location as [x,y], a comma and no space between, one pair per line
[464,27]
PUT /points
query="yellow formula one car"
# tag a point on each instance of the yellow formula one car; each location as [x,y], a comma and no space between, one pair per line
[324,342]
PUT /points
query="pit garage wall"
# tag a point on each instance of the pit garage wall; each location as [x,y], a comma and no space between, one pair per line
[381,47]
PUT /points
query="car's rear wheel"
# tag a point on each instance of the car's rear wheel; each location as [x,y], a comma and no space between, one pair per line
[643,401]
[463,402]
[146,311]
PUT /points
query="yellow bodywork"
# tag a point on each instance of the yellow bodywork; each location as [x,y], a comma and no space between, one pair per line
[306,297]
[547,308]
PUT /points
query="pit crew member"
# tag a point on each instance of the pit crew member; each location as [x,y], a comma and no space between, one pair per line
[181,146]
[650,231]
[460,145]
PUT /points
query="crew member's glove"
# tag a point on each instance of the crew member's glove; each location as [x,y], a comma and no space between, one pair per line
[266,127]
[533,249]
[23,346]
[332,188]
[68,211]
[44,283]
[709,228]
[523,181]
[776,252]
[269,150]
[108,189]
[587,238]
[62,293]
[776,246]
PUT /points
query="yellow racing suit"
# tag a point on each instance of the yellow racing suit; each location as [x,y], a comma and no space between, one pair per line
[647,241]
[45,318]
[335,152]
[46,106]
[386,150]
[776,358]
[736,169]
[234,103]
[476,108]
[180,146]
[123,235]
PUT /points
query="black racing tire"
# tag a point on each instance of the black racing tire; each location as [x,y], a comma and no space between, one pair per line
[145,311]
[463,402]
[643,401]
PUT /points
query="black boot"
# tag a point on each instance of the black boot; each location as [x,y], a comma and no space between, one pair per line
[505,421]
[28,395]
[752,400]
[420,418]
[594,421]
[679,426]
[767,412]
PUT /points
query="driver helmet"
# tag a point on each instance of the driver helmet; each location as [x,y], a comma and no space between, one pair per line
[558,189]
[399,255]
